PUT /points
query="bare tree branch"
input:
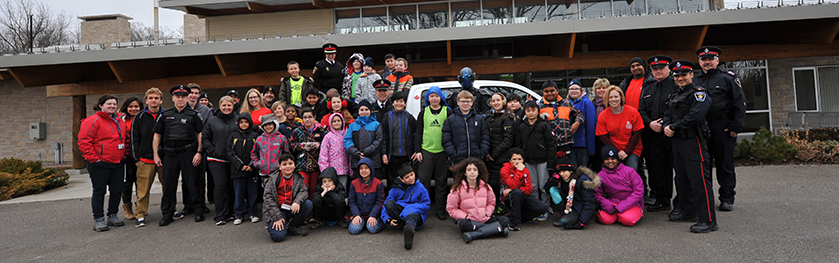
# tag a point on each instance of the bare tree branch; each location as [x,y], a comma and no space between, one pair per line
[48,28]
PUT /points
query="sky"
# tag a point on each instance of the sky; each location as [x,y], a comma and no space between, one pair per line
[141,10]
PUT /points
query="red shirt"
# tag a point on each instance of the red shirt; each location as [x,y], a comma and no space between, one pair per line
[284,189]
[619,127]
[633,93]
[258,113]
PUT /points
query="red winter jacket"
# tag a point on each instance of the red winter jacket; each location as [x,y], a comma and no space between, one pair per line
[512,178]
[100,138]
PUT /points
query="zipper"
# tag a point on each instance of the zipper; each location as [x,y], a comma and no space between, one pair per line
[468,139]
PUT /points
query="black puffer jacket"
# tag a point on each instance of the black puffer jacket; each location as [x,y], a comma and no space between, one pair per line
[537,142]
[500,136]
[216,132]
[465,136]
[334,197]
[239,146]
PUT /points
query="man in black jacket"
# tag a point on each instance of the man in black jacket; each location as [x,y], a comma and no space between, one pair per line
[328,73]
[657,146]
[383,104]
[141,150]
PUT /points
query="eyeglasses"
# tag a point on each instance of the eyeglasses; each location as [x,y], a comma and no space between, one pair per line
[574,89]
[464,101]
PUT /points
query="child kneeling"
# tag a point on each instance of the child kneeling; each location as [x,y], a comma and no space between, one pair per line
[286,203]
[621,196]
[407,204]
[472,202]
[365,200]
[572,191]
[328,200]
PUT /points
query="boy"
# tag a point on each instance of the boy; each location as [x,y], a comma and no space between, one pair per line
[562,116]
[401,79]
[365,200]
[268,146]
[244,176]
[286,201]
[407,205]
[141,148]
[516,190]
[537,142]
[293,88]
[398,127]
[328,200]
[428,146]
[389,66]
[465,133]
[315,101]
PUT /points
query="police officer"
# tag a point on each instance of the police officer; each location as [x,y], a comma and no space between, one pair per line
[177,135]
[684,121]
[328,72]
[657,146]
[725,119]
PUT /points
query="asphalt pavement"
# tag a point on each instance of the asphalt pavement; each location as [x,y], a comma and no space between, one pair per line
[782,214]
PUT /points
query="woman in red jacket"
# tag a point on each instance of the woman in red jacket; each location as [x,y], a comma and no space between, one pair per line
[516,189]
[102,141]
[472,202]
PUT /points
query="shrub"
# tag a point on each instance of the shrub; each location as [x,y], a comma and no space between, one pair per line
[765,147]
[19,178]
[819,145]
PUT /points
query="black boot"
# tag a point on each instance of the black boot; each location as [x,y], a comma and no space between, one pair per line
[466,225]
[704,227]
[487,230]
[408,233]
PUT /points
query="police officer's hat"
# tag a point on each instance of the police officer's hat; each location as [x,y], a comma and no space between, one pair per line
[659,61]
[381,84]
[233,92]
[330,48]
[708,52]
[179,90]
[681,67]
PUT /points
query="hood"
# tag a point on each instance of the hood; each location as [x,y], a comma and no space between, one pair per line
[364,120]
[581,98]
[369,163]
[354,57]
[246,116]
[436,89]
[330,173]
[593,183]
[329,122]
[402,185]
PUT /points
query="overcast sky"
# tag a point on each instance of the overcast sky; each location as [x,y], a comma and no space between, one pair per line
[141,10]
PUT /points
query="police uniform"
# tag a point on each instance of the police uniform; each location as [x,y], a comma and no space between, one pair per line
[378,110]
[657,146]
[686,117]
[727,114]
[328,75]
[179,131]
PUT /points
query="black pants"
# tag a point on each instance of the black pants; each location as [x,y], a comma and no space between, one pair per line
[394,210]
[105,177]
[173,165]
[721,147]
[394,162]
[210,182]
[494,179]
[693,178]
[657,150]
[222,190]
[596,160]
[328,212]
[523,208]
[130,180]
[434,166]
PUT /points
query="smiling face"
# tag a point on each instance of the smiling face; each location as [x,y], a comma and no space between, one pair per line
[243,124]
[601,90]
[330,56]
[614,99]
[312,99]
[287,167]
[356,65]
[194,94]
[279,113]
[389,63]
[660,73]
[367,69]
[550,93]
[336,104]
[399,105]
[683,80]
[575,92]
[709,63]
[382,94]
[565,174]
[364,171]
[290,113]
[294,70]
[637,70]
[226,106]
[400,66]
[308,119]
[472,172]
[497,102]
[363,111]
[409,178]
[133,108]
[109,107]
[337,123]
[253,100]
[610,163]
[204,101]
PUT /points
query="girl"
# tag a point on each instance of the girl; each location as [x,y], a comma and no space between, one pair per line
[472,202]
[621,194]
[130,108]
[255,106]
[363,138]
[332,152]
[336,106]
[500,123]
[305,144]
[572,191]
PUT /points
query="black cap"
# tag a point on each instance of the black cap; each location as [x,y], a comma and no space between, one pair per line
[369,62]
[681,67]
[382,84]
[708,52]
[179,90]
[575,81]
[659,61]
[609,151]
[564,164]
[330,48]
[204,96]
[636,59]
[233,92]
[269,88]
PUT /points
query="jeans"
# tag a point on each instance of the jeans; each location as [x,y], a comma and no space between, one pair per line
[106,176]
[538,178]
[245,189]
[356,229]
[291,220]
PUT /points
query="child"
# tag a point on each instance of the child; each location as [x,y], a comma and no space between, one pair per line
[516,190]
[364,85]
[268,147]
[328,200]
[349,87]
[305,142]
[286,201]
[572,192]
[245,176]
[363,138]
[389,66]
[621,194]
[401,79]
[472,202]
[291,116]
[428,147]
[535,138]
[407,205]
[365,200]
[336,106]
[293,88]
[332,152]
[314,100]
[397,132]
[279,114]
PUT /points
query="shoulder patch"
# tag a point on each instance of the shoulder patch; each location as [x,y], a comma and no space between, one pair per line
[737,81]
[700,96]
[730,72]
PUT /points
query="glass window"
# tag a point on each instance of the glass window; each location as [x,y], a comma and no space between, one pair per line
[497,11]
[754,86]
[661,6]
[629,7]
[828,88]
[694,5]
[805,89]
[529,11]
[374,19]
[466,13]
[562,10]
[595,8]
[403,17]
[434,15]
[347,21]
[756,120]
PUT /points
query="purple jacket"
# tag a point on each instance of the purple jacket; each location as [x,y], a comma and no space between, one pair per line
[621,186]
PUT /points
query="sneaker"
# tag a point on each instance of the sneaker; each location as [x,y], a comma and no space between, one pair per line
[113,220]
[230,218]
[408,232]
[141,222]
[315,225]
[238,221]
[543,217]
[220,223]
[177,215]
[99,224]
[254,219]
[186,211]
[551,210]
[513,228]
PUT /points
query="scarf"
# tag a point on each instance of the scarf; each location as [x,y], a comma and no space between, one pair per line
[570,197]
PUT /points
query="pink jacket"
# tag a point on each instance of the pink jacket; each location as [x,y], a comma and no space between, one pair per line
[621,186]
[466,203]
[332,152]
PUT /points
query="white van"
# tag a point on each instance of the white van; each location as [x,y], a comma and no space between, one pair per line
[416,98]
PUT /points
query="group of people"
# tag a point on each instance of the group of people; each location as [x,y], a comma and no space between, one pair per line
[518,161]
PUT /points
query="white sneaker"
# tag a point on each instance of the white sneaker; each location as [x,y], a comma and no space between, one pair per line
[238,221]
[254,219]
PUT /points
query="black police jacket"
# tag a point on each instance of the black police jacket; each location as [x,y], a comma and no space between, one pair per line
[654,97]
[179,128]
[687,108]
[328,76]
[729,101]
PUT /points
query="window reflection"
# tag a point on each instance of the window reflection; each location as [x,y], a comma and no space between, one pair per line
[754,87]
[629,7]
[497,11]
[434,15]
[529,11]
[374,19]
[347,21]
[595,8]
[562,10]
[466,13]
[661,6]
[403,17]
[693,5]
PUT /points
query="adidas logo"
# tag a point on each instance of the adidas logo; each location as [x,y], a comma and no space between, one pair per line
[435,122]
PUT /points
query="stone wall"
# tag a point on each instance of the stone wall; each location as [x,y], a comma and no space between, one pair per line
[105,31]
[25,105]
[194,27]
[781,86]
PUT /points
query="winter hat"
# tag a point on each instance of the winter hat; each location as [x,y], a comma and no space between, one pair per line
[575,81]
[564,164]
[609,151]
[365,103]
[268,118]
[636,59]
[369,62]
[404,169]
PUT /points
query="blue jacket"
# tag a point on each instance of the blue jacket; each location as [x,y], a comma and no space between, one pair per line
[414,198]
[364,136]
[366,198]
[584,137]
[465,136]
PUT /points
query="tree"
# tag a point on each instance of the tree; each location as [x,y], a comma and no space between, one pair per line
[47,28]
[140,32]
